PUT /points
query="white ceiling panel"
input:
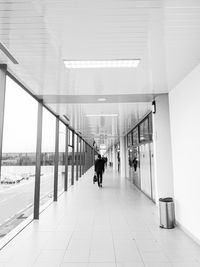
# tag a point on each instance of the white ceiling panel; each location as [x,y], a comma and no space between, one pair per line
[40,34]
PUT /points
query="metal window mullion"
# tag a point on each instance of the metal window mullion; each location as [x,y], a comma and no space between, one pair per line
[55,191]
[89,153]
[66,159]
[72,181]
[80,158]
[77,156]
[93,157]
[3,69]
[88,157]
[38,163]
[83,157]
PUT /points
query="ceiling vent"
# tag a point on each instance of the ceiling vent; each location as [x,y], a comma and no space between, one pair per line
[7,53]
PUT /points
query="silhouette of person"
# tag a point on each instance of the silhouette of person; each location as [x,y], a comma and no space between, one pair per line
[135,163]
[99,169]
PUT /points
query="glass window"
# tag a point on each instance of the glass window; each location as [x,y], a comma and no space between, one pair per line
[69,165]
[61,162]
[83,156]
[78,157]
[75,154]
[135,136]
[48,156]
[145,130]
[129,139]
[70,138]
[18,157]
[150,127]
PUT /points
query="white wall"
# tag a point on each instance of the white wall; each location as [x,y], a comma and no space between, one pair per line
[185,132]
[162,149]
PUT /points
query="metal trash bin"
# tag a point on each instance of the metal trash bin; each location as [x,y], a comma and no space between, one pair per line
[167,214]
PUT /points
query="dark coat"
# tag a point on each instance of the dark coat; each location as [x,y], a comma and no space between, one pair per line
[99,165]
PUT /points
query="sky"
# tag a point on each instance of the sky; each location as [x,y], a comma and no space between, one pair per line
[20,123]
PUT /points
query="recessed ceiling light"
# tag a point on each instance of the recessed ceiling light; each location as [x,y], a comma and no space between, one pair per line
[86,64]
[101,99]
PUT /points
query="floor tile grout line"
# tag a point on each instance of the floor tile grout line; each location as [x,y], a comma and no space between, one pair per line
[117,207]
[113,242]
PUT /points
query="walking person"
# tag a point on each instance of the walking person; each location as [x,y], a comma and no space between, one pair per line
[99,169]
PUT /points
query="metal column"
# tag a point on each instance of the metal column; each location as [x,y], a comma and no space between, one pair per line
[38,163]
[72,182]
[55,191]
[77,157]
[3,69]
[86,158]
[66,159]
[83,157]
[80,156]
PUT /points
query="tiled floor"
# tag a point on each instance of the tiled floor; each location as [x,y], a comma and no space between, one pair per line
[113,226]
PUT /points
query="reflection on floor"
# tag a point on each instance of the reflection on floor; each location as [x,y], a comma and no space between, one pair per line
[113,226]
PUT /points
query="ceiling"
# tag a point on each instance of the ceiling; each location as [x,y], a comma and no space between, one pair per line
[40,34]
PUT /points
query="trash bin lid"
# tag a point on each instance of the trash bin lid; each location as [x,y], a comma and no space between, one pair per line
[166,199]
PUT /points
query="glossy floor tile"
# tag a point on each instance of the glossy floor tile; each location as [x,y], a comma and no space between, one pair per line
[113,226]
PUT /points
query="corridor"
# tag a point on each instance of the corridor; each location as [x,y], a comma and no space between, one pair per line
[113,226]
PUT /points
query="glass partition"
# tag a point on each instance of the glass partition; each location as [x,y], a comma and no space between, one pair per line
[70,138]
[18,157]
[144,130]
[150,127]
[135,137]
[129,139]
[69,165]
[61,161]
[78,159]
[75,155]
[141,167]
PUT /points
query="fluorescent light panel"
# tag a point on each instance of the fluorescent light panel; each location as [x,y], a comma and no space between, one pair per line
[101,99]
[87,64]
